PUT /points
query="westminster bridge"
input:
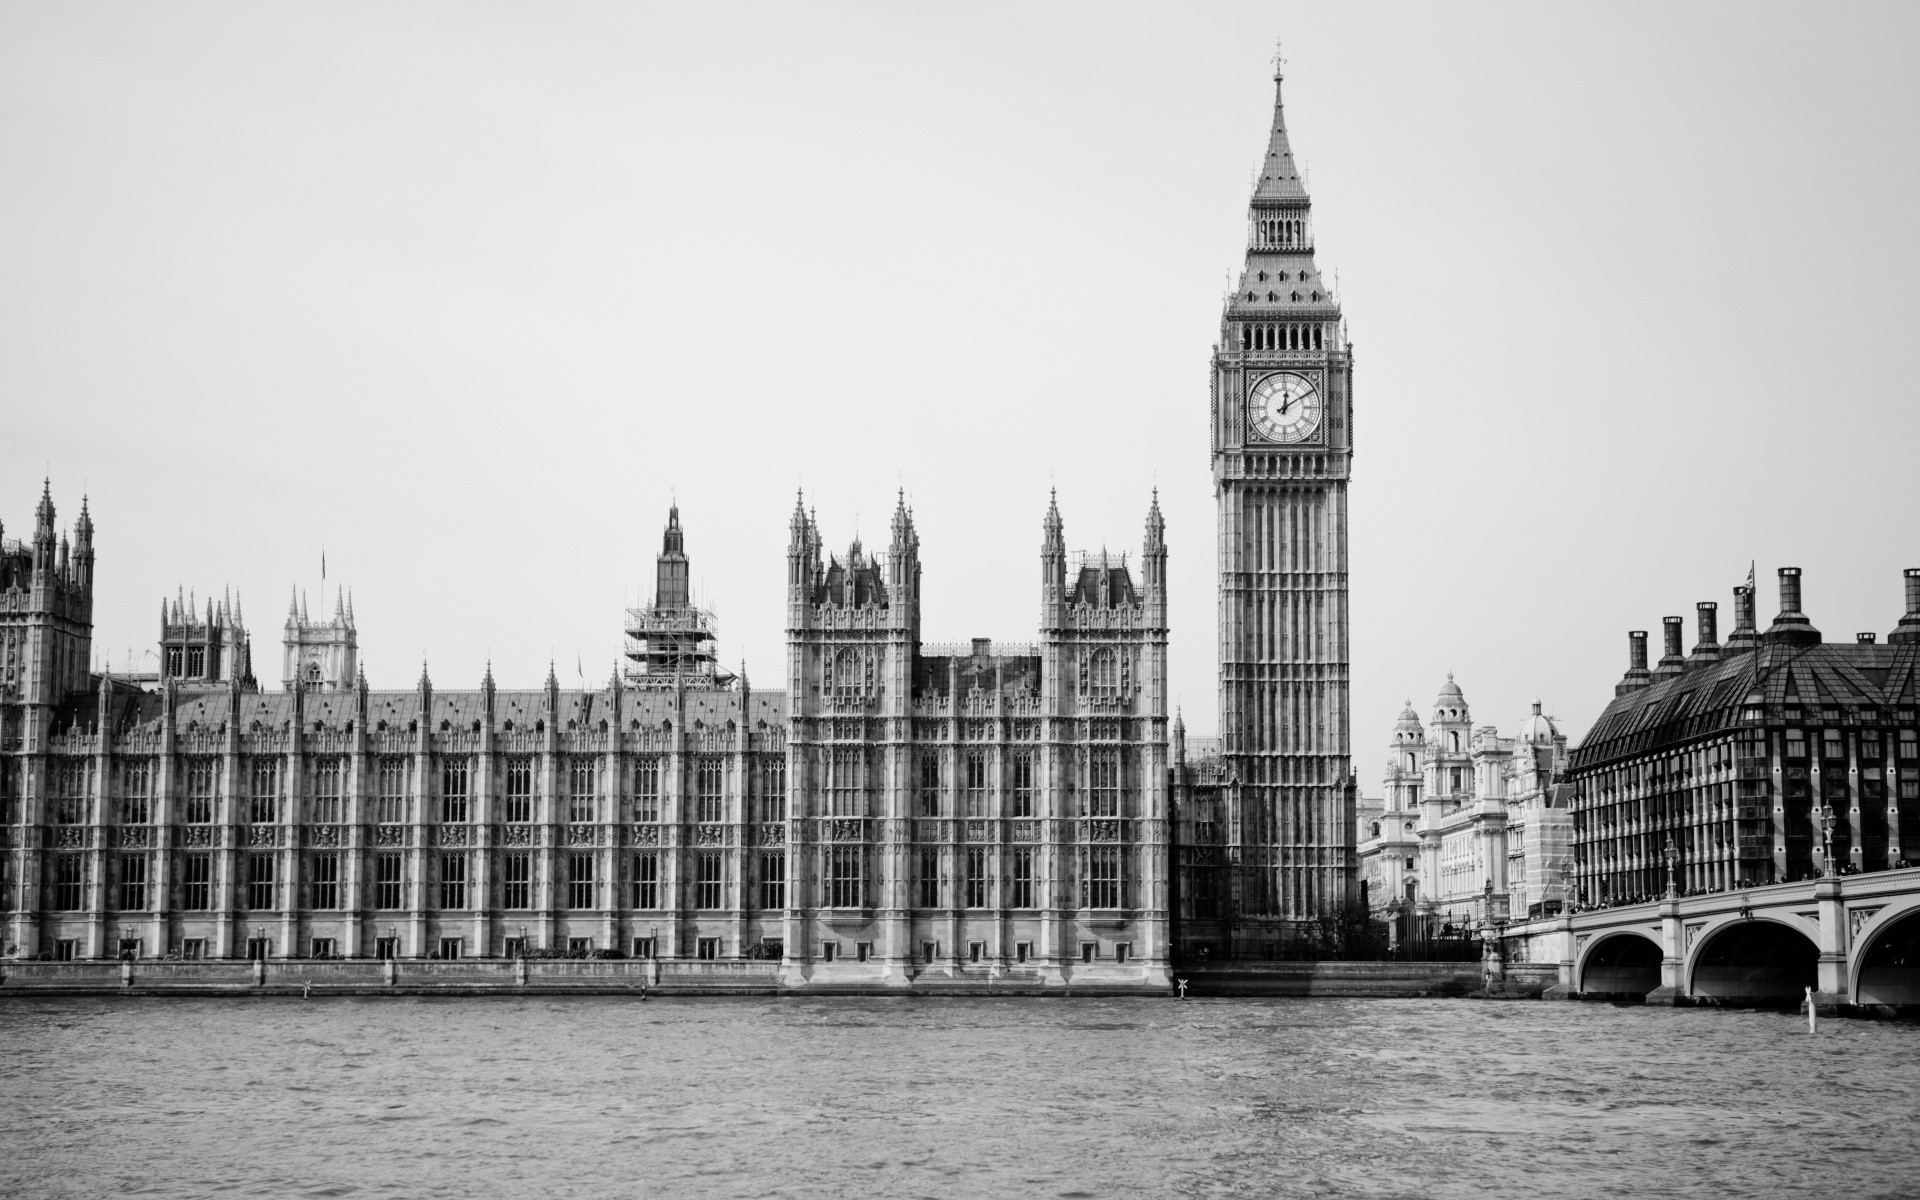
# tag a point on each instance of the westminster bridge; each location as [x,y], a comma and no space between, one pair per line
[1853,939]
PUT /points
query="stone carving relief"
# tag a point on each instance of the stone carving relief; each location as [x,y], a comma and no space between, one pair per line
[1856,917]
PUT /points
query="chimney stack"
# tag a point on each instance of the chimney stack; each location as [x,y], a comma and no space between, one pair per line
[1744,635]
[1636,676]
[1866,639]
[1791,627]
[1907,633]
[1708,648]
[1674,660]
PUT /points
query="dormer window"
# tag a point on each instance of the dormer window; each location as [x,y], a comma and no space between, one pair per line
[1263,277]
[1271,297]
[1296,297]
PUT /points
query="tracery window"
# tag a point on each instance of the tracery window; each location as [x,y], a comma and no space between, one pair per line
[69,792]
[773,790]
[196,882]
[386,880]
[1101,880]
[259,881]
[136,791]
[1103,784]
[580,880]
[67,876]
[390,785]
[582,804]
[929,783]
[773,881]
[326,880]
[845,876]
[263,800]
[517,881]
[199,792]
[455,779]
[453,881]
[709,777]
[976,877]
[707,880]
[327,800]
[646,790]
[929,877]
[847,782]
[977,793]
[646,880]
[133,882]
[519,790]
[1023,857]
[849,673]
[1022,767]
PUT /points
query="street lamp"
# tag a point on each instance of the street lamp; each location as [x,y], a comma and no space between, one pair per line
[1673,864]
[1826,839]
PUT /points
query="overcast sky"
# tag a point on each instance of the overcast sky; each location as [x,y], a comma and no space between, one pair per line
[466,294]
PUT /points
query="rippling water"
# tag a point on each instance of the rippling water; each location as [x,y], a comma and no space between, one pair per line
[741,1097]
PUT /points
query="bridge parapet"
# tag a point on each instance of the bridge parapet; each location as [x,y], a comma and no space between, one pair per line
[1849,938]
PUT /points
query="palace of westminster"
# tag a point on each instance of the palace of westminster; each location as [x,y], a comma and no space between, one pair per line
[903,813]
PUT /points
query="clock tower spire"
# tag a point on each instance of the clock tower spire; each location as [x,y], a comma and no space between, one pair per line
[1282,448]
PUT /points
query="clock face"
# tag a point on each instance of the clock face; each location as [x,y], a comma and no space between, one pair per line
[1284,408]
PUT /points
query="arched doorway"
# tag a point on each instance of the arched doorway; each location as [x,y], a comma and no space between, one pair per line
[1890,969]
[1623,965]
[1755,962]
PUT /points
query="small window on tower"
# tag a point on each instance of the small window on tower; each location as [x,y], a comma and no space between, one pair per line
[1283,277]
[1271,297]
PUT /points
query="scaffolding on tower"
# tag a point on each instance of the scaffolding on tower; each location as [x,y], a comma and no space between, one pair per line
[672,642]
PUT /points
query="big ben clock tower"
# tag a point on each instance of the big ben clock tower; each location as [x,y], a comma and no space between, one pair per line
[1282,445]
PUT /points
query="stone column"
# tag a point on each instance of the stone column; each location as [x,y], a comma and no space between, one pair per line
[1832,989]
[1673,966]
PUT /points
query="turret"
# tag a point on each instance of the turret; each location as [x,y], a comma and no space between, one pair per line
[802,553]
[1053,557]
[672,590]
[1153,562]
[43,537]
[83,550]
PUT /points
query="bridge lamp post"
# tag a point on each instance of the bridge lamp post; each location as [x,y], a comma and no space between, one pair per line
[1826,839]
[1673,863]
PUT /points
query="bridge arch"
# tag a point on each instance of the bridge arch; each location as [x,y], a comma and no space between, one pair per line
[1886,957]
[1756,960]
[1620,962]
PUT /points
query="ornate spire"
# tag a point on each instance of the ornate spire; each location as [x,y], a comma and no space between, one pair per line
[1279,174]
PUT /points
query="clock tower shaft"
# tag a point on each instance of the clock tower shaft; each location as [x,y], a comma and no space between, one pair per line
[1281,492]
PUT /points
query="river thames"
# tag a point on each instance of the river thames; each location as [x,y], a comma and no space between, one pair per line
[1041,1098]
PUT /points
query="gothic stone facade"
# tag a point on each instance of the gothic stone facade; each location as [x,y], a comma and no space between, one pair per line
[1281,435]
[957,816]
[972,810]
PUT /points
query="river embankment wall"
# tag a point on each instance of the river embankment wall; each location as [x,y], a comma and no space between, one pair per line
[409,977]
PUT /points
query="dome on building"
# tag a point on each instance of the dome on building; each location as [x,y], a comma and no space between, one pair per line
[1408,728]
[1538,729]
[1451,703]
